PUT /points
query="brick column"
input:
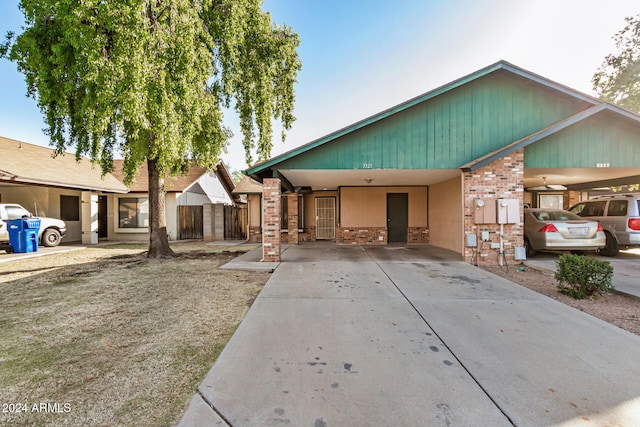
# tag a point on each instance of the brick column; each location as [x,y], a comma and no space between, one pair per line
[292,208]
[501,179]
[570,198]
[271,217]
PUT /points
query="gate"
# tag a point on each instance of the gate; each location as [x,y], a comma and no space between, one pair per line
[190,220]
[235,222]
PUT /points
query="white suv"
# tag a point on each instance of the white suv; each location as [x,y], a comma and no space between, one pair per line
[619,215]
[51,230]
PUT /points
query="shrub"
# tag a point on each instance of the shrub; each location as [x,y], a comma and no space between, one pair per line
[583,275]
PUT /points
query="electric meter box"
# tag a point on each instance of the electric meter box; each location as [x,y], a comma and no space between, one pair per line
[508,211]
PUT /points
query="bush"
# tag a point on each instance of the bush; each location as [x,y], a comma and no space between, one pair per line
[583,275]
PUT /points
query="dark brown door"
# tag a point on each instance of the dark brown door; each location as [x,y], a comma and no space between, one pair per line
[397,217]
[102,217]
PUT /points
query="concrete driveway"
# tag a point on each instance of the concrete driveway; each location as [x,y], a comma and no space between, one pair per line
[410,336]
[626,268]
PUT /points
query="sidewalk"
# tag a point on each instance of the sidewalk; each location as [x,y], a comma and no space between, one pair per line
[402,336]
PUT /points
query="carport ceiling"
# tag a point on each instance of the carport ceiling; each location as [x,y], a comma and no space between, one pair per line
[569,177]
[332,179]
[581,178]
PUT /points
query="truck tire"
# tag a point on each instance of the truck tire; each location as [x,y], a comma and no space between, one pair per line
[51,237]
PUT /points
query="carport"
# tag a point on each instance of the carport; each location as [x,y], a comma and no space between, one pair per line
[448,165]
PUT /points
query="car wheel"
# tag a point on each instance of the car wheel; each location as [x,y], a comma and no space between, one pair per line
[529,251]
[51,237]
[9,249]
[611,248]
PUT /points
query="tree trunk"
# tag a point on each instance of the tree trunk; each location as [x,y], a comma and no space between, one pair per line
[158,237]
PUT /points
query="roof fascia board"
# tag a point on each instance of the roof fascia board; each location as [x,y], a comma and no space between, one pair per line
[225,178]
[549,83]
[534,137]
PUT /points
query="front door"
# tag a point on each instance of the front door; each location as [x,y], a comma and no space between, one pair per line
[325,218]
[102,217]
[397,217]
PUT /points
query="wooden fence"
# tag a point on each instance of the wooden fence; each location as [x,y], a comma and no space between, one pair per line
[235,222]
[190,221]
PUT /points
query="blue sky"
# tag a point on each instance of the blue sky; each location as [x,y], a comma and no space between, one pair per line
[363,56]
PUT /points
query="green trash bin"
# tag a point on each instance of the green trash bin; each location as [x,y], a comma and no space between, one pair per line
[23,234]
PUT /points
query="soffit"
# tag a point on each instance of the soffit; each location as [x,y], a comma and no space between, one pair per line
[332,179]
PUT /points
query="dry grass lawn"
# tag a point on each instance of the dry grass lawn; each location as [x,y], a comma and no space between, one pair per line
[104,336]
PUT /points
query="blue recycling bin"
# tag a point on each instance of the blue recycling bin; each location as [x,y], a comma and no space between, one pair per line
[23,234]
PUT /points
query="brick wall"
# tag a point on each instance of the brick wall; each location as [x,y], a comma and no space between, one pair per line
[271,242]
[501,179]
[255,234]
[570,198]
[418,235]
[292,220]
[362,235]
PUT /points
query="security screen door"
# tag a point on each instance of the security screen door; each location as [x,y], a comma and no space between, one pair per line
[325,218]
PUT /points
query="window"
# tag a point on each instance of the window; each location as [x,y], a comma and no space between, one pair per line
[550,201]
[284,212]
[133,212]
[70,208]
[16,212]
[589,208]
[617,208]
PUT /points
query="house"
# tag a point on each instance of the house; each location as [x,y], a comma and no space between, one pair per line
[191,202]
[59,187]
[452,167]
[96,206]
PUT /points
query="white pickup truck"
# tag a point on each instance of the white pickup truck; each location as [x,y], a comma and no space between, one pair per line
[51,230]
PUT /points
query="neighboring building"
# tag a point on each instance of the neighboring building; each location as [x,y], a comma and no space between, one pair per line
[252,192]
[438,168]
[187,199]
[96,207]
[59,187]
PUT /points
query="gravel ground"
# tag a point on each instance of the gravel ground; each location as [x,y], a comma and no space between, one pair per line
[616,308]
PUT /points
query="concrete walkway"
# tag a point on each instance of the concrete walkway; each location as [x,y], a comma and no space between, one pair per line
[409,336]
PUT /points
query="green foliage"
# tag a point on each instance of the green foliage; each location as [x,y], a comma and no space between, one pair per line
[617,78]
[149,79]
[583,275]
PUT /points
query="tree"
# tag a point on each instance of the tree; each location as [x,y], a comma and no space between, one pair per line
[618,78]
[148,79]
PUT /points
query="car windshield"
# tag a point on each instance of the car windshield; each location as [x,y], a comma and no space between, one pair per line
[554,216]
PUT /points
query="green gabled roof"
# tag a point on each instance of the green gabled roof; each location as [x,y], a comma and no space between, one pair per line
[257,169]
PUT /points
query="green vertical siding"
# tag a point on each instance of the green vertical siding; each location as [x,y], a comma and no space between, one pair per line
[598,139]
[446,131]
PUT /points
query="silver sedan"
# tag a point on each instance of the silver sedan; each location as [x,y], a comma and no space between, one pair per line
[559,230]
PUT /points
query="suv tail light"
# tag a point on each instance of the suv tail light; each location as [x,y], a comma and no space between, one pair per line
[634,223]
[600,227]
[549,228]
